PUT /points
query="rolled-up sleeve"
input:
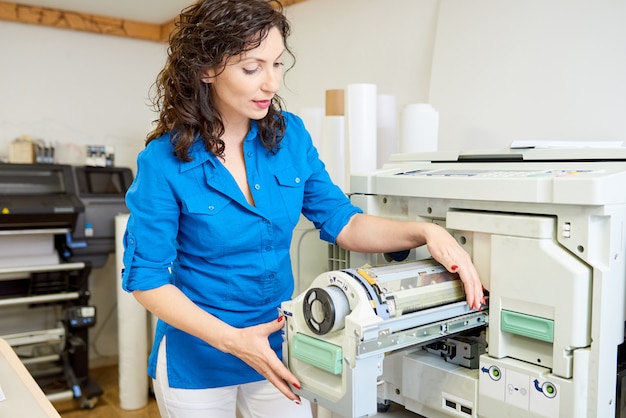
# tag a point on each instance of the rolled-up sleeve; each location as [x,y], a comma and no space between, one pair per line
[325,204]
[150,237]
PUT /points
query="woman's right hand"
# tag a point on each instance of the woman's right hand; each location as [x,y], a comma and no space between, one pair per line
[251,345]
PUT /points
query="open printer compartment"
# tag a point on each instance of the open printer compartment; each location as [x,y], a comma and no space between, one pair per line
[56,224]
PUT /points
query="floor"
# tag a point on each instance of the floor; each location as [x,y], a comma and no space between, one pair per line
[108,405]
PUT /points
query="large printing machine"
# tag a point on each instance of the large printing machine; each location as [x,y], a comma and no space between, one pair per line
[56,224]
[546,230]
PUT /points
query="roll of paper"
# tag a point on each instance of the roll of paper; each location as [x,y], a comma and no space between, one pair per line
[132,323]
[334,146]
[419,128]
[360,108]
[323,412]
[335,102]
[387,128]
[313,118]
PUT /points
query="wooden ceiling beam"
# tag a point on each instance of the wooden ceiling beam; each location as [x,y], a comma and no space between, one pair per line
[290,2]
[63,19]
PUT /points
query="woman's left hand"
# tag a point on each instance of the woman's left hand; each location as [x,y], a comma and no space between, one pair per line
[444,248]
[370,234]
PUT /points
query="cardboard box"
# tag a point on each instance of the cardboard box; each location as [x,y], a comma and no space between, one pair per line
[21,152]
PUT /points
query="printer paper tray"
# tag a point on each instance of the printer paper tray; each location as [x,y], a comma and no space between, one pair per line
[11,272]
[11,275]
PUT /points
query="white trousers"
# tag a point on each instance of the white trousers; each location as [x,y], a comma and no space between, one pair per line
[251,400]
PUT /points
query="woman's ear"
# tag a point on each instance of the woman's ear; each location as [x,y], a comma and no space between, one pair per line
[206,76]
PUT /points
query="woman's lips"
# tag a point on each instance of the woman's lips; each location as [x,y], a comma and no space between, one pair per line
[262,104]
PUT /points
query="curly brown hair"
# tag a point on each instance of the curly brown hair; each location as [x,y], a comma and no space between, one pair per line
[205,36]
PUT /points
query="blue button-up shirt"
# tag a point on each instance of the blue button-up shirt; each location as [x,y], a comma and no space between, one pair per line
[190,225]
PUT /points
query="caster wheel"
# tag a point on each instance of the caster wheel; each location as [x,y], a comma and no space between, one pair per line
[383,406]
[89,403]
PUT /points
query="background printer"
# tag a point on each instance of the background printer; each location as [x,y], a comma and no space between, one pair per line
[56,223]
[101,190]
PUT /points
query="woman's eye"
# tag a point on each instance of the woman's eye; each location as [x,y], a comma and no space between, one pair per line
[250,71]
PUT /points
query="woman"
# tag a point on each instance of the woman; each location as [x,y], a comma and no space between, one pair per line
[219,188]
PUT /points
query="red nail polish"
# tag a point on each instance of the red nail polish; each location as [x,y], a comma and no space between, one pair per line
[297,386]
[454,267]
[280,318]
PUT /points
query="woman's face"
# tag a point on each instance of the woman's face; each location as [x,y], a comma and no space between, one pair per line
[245,88]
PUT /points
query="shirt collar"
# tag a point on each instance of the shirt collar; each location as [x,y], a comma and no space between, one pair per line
[201,155]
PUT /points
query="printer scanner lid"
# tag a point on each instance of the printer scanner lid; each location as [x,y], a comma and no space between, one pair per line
[537,154]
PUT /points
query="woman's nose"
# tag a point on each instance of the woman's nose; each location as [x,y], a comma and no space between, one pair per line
[272,81]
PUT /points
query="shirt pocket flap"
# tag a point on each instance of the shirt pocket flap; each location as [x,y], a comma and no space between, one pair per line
[211,204]
[290,177]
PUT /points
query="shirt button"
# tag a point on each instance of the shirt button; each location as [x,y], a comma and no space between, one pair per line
[297,180]
[249,153]
[211,207]
[268,248]
[257,186]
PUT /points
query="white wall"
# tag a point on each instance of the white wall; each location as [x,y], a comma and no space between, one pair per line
[76,88]
[507,69]
[388,43]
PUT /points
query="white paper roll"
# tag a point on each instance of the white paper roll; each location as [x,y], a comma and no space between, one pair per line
[323,412]
[334,149]
[360,108]
[313,118]
[419,128]
[132,323]
[387,128]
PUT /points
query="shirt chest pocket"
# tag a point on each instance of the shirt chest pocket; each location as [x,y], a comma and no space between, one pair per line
[210,204]
[207,215]
[291,184]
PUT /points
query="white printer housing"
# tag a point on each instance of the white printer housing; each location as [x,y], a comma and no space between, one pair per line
[546,230]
